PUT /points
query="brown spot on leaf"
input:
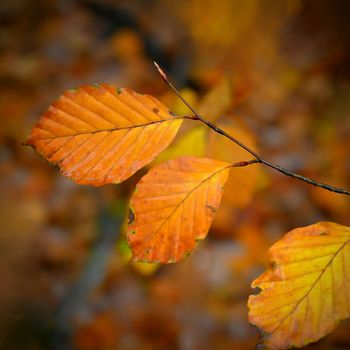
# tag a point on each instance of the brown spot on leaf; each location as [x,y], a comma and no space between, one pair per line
[131,217]
[256,291]
[211,208]
[273,265]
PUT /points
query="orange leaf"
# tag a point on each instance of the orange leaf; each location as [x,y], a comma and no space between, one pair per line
[173,207]
[306,291]
[99,134]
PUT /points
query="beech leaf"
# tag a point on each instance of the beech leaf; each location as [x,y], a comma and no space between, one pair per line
[100,134]
[173,207]
[306,291]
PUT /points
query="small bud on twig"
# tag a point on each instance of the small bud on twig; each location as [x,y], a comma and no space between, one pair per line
[161,72]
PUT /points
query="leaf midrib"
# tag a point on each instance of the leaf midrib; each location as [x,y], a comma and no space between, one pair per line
[108,130]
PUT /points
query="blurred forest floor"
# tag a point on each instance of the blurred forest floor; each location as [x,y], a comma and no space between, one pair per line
[275,72]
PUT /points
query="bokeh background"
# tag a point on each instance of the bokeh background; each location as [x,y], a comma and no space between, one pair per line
[274,73]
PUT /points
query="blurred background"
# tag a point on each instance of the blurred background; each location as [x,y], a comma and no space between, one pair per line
[273,73]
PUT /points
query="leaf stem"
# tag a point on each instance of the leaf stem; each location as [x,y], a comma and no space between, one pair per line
[258,159]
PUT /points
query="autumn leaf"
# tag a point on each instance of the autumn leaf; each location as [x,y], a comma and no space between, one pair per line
[99,134]
[216,101]
[173,207]
[306,291]
[191,143]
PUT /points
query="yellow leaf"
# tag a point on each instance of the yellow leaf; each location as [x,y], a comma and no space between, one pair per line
[192,143]
[99,134]
[216,101]
[306,291]
[176,105]
[173,207]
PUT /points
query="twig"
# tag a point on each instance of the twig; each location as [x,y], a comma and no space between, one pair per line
[258,159]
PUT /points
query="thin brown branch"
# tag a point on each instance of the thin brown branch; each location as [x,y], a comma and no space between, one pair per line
[258,159]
